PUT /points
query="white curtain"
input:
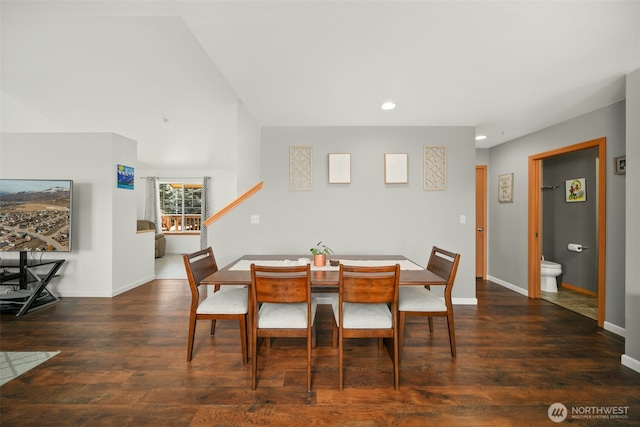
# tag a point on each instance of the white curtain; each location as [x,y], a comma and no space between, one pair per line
[152,202]
[206,184]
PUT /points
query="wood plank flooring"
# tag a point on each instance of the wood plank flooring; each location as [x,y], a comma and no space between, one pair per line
[123,363]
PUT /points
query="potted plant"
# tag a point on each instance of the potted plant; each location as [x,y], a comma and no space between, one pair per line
[320,253]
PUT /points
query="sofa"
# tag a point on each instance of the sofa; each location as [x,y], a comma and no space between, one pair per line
[161,240]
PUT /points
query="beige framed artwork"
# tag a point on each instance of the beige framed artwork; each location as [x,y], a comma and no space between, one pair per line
[300,174]
[396,168]
[505,187]
[339,168]
[435,168]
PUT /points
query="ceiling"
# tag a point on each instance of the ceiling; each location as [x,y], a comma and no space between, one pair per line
[152,70]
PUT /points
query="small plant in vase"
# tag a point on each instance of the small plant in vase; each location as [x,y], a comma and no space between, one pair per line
[320,253]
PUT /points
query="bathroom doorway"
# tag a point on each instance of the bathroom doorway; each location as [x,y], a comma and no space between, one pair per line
[570,217]
[536,219]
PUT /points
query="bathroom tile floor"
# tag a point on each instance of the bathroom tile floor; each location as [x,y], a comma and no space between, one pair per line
[578,302]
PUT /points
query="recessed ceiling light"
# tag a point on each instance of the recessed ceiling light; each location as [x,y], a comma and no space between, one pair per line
[388,106]
[481,137]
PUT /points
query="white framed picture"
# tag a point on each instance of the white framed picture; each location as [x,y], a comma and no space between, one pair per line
[339,168]
[396,168]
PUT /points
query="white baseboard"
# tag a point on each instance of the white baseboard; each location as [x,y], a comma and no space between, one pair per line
[464,301]
[509,286]
[630,362]
[615,329]
[132,285]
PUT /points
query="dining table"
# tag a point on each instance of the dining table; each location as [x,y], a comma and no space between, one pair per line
[238,272]
[323,278]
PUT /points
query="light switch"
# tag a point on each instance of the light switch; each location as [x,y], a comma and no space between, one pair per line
[463,219]
[255,219]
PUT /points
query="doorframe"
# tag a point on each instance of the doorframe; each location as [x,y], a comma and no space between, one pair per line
[535,217]
[483,268]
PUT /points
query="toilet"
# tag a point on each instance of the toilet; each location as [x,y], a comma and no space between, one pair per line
[549,271]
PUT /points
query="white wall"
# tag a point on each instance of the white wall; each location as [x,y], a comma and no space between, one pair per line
[508,221]
[105,258]
[631,357]
[229,178]
[366,216]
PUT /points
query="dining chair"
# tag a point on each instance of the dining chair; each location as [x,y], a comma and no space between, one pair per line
[282,306]
[225,303]
[420,301]
[367,307]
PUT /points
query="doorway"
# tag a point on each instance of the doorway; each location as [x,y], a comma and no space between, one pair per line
[481,222]
[535,218]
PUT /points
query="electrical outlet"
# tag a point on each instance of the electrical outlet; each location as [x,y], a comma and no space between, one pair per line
[255,219]
[463,219]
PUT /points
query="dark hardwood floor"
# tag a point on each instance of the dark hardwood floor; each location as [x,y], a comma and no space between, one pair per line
[123,363]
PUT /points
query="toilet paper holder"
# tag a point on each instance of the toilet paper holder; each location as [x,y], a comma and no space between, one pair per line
[576,247]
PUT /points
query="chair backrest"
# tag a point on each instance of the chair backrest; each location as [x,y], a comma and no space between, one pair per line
[199,265]
[369,284]
[281,284]
[444,264]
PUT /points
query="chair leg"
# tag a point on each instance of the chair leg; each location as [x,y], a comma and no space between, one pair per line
[310,343]
[402,319]
[213,327]
[254,363]
[396,360]
[243,339]
[313,336]
[340,362]
[452,334]
[430,324]
[192,334]
[334,338]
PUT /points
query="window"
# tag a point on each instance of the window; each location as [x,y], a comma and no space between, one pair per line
[180,207]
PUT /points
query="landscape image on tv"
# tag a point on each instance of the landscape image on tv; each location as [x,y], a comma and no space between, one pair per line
[35,215]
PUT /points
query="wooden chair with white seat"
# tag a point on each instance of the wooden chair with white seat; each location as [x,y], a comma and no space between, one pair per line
[420,301]
[367,307]
[225,303]
[282,306]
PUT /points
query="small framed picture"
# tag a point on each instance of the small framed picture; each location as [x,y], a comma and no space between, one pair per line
[576,190]
[505,187]
[396,168]
[620,165]
[339,168]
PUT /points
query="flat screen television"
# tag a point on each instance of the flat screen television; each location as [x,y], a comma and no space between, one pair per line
[35,215]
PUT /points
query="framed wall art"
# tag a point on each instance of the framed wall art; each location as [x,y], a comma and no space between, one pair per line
[435,168]
[620,165]
[125,176]
[505,187]
[339,168]
[300,161]
[576,190]
[396,168]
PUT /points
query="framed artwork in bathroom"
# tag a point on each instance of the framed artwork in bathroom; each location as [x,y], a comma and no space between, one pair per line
[620,164]
[505,187]
[576,190]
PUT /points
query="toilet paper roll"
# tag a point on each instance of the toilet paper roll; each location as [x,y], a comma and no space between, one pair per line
[575,247]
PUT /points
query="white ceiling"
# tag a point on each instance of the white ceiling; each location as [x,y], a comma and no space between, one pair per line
[507,67]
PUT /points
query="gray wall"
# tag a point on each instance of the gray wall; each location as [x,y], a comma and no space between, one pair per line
[632,342]
[508,221]
[366,216]
[576,222]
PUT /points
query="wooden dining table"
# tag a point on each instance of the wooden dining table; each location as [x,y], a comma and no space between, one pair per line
[323,279]
[238,272]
